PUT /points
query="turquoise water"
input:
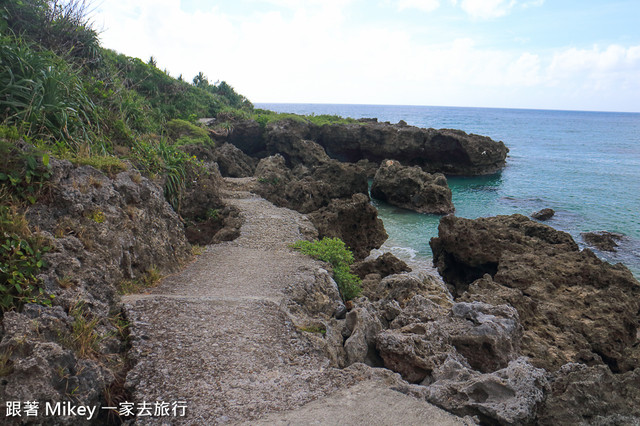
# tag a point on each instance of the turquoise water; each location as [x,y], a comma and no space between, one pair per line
[584,165]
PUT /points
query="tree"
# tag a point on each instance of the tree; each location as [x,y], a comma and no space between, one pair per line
[201,80]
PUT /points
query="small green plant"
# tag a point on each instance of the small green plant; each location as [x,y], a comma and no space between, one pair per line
[24,174]
[273,181]
[165,159]
[213,214]
[21,259]
[97,216]
[334,252]
[106,163]
[6,365]
[197,250]
[314,329]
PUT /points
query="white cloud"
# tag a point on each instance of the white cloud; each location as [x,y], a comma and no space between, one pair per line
[487,9]
[312,54]
[423,5]
[532,3]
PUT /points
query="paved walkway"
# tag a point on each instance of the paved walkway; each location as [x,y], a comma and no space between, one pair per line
[215,336]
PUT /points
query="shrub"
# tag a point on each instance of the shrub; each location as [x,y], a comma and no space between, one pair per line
[23,174]
[162,158]
[21,258]
[334,252]
[186,133]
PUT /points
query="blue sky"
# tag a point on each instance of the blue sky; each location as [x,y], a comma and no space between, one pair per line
[582,55]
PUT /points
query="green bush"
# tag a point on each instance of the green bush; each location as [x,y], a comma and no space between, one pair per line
[21,258]
[63,27]
[334,252]
[186,133]
[165,159]
[23,174]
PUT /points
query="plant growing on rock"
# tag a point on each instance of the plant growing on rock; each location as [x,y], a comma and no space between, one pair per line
[334,252]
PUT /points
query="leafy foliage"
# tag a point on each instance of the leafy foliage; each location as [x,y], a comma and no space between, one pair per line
[21,258]
[42,94]
[264,117]
[60,26]
[160,157]
[185,133]
[334,252]
[23,174]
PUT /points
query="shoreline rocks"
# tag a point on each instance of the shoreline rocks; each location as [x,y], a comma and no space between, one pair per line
[602,240]
[412,188]
[435,151]
[544,214]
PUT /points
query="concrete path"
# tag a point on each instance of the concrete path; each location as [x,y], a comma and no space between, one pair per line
[215,336]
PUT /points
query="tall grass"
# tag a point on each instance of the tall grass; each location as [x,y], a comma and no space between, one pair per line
[41,94]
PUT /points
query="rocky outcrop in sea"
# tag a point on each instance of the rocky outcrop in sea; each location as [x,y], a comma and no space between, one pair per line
[412,188]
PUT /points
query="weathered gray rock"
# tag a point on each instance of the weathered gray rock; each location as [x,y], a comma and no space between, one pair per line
[444,151]
[233,162]
[355,221]
[581,394]
[544,214]
[385,264]
[304,189]
[508,396]
[412,188]
[362,327]
[422,337]
[102,230]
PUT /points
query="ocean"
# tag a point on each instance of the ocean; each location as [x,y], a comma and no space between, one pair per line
[584,165]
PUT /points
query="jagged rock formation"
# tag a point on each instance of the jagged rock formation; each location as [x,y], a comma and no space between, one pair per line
[444,151]
[578,313]
[102,230]
[602,240]
[355,221]
[307,189]
[233,162]
[412,188]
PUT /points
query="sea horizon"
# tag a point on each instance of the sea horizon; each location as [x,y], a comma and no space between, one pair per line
[257,104]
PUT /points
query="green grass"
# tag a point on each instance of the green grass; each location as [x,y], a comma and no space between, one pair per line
[265,117]
[334,252]
[148,280]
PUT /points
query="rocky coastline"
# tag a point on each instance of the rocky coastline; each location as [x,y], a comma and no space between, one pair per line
[521,328]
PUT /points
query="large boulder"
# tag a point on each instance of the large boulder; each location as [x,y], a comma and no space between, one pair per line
[510,396]
[308,189]
[580,393]
[355,221]
[233,162]
[573,306]
[412,188]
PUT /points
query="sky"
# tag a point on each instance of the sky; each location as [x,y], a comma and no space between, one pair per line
[543,54]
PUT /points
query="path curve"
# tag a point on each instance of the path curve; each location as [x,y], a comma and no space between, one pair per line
[216,336]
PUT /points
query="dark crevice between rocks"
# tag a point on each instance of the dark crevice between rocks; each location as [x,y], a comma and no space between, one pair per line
[612,363]
[116,392]
[459,275]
